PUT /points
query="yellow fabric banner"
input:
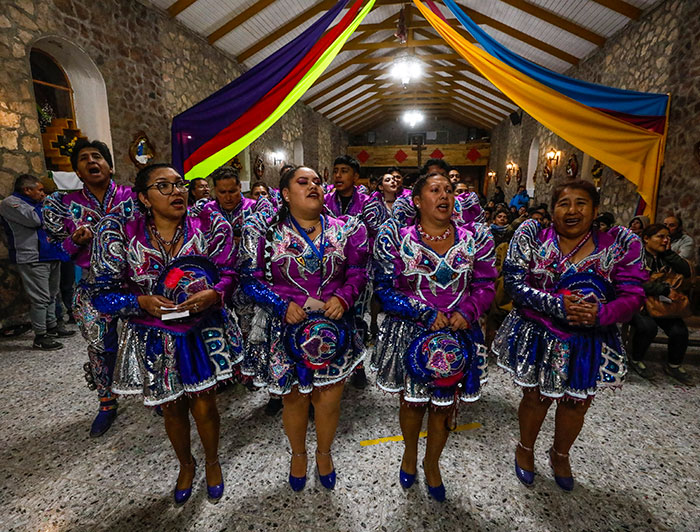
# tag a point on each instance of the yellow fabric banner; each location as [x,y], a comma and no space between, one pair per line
[632,151]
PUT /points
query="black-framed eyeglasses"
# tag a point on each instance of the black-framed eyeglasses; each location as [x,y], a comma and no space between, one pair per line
[167,188]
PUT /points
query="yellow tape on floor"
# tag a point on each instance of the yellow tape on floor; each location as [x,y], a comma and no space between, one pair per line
[423,434]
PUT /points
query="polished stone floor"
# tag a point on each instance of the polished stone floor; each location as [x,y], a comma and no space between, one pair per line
[637,462]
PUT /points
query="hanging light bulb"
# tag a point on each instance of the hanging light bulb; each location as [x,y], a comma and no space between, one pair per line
[412,117]
[406,68]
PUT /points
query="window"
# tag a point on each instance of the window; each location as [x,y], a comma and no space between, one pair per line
[52,90]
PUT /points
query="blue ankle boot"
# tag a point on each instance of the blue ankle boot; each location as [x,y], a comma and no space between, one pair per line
[104,419]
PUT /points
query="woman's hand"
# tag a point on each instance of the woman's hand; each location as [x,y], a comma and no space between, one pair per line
[583,314]
[334,308]
[152,304]
[440,322]
[200,301]
[295,314]
[81,236]
[458,322]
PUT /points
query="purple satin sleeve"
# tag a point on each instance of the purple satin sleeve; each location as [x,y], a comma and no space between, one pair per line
[628,276]
[250,262]
[222,251]
[357,256]
[482,288]
[516,269]
[387,266]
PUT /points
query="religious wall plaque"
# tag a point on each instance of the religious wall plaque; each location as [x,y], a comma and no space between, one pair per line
[141,150]
[572,166]
[259,167]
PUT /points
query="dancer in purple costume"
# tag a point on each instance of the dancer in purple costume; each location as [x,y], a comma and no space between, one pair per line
[142,267]
[435,279]
[70,219]
[304,270]
[571,284]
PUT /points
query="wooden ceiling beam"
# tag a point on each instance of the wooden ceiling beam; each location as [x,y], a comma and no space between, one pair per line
[396,44]
[619,6]
[239,19]
[178,7]
[357,118]
[556,20]
[293,24]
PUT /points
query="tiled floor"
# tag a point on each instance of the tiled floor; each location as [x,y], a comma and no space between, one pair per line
[637,463]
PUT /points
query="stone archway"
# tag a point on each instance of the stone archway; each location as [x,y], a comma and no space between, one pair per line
[89,90]
[298,152]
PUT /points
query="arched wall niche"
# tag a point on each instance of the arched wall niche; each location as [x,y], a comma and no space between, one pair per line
[532,158]
[89,90]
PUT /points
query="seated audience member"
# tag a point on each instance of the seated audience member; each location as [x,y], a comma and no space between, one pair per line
[198,188]
[681,243]
[455,177]
[500,228]
[461,188]
[498,196]
[605,221]
[637,224]
[660,259]
[36,258]
[521,199]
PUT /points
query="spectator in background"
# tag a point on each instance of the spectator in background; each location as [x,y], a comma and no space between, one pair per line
[521,199]
[638,223]
[455,177]
[461,188]
[37,259]
[605,221]
[258,189]
[659,258]
[681,243]
[499,196]
[439,166]
[500,228]
[198,189]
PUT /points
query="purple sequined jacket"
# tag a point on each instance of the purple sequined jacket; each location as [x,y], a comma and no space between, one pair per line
[414,282]
[284,268]
[537,279]
[65,212]
[126,264]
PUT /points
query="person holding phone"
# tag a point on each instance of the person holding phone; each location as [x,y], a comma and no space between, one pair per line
[571,284]
[304,270]
[159,262]
[434,279]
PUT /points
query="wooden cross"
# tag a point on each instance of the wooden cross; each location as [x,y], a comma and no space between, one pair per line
[419,147]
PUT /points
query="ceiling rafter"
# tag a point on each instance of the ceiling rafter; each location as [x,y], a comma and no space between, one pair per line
[179,6]
[238,20]
[619,6]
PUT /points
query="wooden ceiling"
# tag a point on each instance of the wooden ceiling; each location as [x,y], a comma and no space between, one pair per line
[357,93]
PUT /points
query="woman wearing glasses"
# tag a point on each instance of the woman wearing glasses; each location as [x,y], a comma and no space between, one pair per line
[304,270]
[148,268]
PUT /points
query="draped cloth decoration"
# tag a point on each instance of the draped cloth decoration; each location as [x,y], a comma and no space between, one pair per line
[625,130]
[212,132]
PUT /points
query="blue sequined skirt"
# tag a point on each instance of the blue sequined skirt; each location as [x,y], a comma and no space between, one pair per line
[574,367]
[269,364]
[163,365]
[388,361]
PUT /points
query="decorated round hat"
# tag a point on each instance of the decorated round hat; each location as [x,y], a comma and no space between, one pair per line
[186,276]
[317,340]
[585,285]
[436,359]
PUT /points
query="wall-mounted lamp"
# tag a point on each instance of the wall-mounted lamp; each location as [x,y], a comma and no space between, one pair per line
[277,157]
[513,170]
[553,157]
[491,174]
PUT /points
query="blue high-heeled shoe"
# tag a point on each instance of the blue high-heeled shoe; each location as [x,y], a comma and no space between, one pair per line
[182,496]
[327,481]
[436,492]
[524,476]
[565,483]
[405,479]
[297,483]
[214,493]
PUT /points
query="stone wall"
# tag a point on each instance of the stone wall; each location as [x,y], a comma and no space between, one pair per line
[658,53]
[153,69]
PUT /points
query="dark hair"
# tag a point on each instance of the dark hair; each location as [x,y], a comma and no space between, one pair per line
[392,169]
[348,160]
[436,162]
[280,217]
[260,184]
[190,188]
[607,218]
[81,144]
[25,181]
[579,184]
[141,181]
[651,230]
[224,172]
[285,167]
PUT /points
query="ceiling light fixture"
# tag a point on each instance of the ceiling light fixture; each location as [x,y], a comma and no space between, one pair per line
[406,68]
[412,117]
